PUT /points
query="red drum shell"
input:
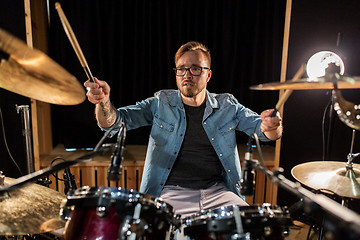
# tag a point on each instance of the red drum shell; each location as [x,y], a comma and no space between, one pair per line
[102,213]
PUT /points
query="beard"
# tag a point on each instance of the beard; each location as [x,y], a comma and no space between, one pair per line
[192,91]
[188,92]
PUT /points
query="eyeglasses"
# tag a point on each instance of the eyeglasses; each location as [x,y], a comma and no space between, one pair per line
[195,71]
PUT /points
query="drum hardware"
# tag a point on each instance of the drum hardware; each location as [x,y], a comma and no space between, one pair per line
[338,220]
[341,178]
[101,211]
[258,222]
[129,214]
[134,228]
[24,110]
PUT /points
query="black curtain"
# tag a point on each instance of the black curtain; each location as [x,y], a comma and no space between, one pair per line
[131,44]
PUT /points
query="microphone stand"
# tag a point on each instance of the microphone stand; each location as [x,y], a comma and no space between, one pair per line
[115,167]
[344,222]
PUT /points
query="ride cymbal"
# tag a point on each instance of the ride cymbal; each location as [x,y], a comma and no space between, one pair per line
[331,176]
[309,84]
[31,73]
[32,209]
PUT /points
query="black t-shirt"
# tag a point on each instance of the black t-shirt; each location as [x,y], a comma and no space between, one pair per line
[197,165]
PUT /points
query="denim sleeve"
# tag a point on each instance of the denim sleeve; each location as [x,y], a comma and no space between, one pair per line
[249,121]
[134,116]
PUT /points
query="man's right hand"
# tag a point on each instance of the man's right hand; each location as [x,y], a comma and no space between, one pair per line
[98,91]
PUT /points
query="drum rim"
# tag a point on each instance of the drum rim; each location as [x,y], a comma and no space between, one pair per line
[87,196]
[264,210]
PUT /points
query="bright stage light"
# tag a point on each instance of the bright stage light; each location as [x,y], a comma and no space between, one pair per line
[320,62]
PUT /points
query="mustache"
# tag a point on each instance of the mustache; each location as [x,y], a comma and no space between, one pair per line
[187,81]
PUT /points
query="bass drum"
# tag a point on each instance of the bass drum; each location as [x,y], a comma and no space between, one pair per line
[265,222]
[115,213]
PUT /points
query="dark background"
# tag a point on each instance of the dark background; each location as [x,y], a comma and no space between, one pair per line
[131,45]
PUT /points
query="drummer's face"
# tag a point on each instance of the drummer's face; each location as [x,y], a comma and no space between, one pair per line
[190,85]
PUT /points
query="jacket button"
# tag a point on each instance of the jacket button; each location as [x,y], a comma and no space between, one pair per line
[212,139]
[205,123]
[229,170]
[220,154]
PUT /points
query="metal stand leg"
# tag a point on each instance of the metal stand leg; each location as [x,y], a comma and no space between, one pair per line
[24,110]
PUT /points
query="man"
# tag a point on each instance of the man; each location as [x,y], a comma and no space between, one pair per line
[192,161]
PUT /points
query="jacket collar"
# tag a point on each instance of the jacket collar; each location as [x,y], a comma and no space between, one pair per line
[175,100]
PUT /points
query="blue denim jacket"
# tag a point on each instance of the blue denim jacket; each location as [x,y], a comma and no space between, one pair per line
[166,114]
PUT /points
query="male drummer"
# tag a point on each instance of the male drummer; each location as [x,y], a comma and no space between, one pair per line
[192,161]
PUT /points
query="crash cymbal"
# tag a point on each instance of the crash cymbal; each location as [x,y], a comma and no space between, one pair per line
[330,175]
[31,73]
[308,84]
[32,209]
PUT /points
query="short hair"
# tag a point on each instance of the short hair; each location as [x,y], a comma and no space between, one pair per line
[193,46]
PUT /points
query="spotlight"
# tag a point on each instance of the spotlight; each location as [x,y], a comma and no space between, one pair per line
[323,63]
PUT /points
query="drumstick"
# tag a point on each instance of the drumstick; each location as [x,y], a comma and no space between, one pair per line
[288,92]
[71,36]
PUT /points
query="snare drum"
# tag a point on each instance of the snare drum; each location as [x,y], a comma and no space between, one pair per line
[115,213]
[257,221]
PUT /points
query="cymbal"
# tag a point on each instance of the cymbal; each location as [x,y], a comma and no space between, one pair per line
[329,175]
[32,209]
[31,73]
[308,84]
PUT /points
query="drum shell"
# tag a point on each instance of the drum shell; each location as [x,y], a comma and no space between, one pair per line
[260,221]
[102,213]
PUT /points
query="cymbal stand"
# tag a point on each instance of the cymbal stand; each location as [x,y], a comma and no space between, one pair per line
[339,220]
[349,170]
[24,110]
[351,155]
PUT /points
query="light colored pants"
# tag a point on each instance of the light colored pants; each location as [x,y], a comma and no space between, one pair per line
[186,201]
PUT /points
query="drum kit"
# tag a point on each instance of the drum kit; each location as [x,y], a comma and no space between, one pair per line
[29,210]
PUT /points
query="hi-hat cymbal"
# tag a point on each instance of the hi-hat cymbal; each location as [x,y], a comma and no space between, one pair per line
[330,175]
[308,84]
[32,209]
[31,73]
